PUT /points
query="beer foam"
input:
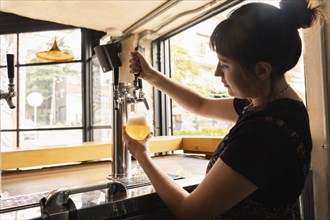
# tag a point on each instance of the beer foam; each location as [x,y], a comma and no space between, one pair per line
[137,120]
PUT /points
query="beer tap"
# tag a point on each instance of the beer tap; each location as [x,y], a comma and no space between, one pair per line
[137,84]
[8,96]
[124,94]
[116,93]
[108,56]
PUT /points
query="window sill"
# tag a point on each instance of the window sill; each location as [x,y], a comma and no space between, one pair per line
[88,151]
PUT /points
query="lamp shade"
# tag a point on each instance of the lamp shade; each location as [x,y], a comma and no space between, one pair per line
[55,54]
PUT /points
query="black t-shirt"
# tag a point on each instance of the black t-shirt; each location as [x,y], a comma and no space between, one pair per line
[270,147]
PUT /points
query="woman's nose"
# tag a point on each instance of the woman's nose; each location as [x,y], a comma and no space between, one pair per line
[218,71]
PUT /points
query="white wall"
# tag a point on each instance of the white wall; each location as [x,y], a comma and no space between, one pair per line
[317,55]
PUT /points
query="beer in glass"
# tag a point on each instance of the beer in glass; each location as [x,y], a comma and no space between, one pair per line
[137,126]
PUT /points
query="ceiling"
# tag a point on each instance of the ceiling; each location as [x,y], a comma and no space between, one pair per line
[114,17]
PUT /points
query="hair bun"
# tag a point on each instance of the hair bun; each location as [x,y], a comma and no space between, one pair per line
[298,13]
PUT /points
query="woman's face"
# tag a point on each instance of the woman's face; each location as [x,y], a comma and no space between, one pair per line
[232,77]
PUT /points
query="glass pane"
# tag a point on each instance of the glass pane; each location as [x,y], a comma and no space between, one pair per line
[8,141]
[44,139]
[68,41]
[8,44]
[50,96]
[102,98]
[193,64]
[8,116]
[103,135]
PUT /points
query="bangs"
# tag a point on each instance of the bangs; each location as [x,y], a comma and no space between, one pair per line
[225,40]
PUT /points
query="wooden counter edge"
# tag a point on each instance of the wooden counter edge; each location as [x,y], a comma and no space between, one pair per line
[88,151]
[203,144]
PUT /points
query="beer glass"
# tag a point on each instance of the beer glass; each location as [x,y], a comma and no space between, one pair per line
[137,127]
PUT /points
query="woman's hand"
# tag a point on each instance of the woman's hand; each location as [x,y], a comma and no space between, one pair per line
[139,65]
[137,149]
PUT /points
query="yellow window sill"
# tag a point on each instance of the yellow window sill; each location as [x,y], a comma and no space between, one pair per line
[87,151]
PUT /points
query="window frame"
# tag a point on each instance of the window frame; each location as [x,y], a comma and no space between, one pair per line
[89,39]
[161,61]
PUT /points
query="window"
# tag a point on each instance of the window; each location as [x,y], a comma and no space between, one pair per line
[57,103]
[49,95]
[192,63]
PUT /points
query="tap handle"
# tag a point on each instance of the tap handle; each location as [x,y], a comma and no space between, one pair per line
[135,81]
[10,103]
[116,75]
[145,101]
[140,84]
[141,50]
[10,65]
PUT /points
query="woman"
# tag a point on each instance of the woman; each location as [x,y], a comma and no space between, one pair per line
[258,170]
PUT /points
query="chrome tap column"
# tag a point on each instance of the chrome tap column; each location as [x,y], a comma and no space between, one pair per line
[108,56]
[123,96]
[121,159]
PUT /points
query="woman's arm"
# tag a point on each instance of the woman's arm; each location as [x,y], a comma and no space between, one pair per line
[222,109]
[221,189]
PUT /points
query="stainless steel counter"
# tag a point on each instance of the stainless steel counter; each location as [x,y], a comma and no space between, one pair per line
[27,188]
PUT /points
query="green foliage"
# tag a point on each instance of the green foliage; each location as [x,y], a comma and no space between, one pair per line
[40,78]
[183,64]
[184,70]
[197,76]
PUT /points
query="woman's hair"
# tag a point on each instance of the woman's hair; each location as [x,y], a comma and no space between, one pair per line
[262,32]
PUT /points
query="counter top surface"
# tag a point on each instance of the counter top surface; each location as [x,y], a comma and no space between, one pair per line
[42,181]
[48,179]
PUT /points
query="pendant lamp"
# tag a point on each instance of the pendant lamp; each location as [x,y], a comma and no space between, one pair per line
[55,54]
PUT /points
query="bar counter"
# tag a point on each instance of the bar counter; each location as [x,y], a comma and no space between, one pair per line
[27,189]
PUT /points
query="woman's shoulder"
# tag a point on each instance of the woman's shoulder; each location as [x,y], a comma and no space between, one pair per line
[286,109]
[288,102]
[276,108]
[290,111]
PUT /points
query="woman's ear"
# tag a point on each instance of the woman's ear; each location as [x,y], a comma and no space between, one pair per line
[263,70]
